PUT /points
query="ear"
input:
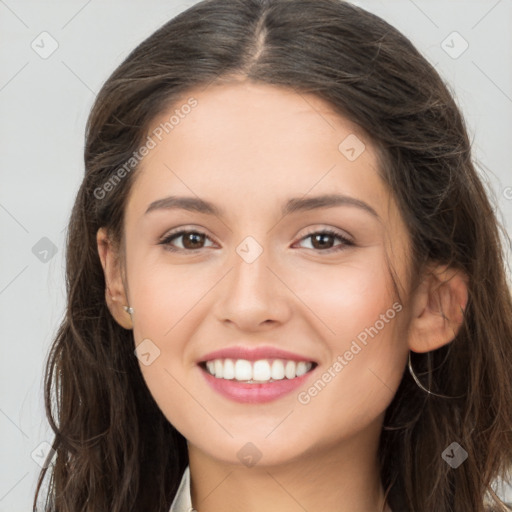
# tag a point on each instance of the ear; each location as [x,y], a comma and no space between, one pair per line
[115,293]
[437,308]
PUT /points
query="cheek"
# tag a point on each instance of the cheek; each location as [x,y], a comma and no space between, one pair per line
[346,297]
[354,388]
[168,309]
[363,329]
[163,296]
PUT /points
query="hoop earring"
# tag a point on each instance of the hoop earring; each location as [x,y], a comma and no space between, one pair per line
[420,385]
[128,309]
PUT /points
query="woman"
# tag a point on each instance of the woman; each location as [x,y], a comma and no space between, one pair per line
[286,287]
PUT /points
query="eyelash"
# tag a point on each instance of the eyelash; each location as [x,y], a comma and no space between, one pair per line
[345,241]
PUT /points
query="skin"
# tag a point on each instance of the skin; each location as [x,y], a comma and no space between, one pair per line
[248,148]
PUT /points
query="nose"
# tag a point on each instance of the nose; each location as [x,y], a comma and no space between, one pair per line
[253,295]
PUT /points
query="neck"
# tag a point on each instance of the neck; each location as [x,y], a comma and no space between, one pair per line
[340,478]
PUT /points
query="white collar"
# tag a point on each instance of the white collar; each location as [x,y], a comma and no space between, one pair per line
[183,501]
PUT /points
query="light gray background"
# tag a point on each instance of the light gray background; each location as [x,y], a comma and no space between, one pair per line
[44,103]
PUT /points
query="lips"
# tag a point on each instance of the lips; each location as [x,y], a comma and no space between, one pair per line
[254,354]
[256,374]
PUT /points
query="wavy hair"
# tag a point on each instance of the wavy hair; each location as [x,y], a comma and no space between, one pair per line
[115,450]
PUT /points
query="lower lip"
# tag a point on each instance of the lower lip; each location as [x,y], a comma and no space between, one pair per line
[254,393]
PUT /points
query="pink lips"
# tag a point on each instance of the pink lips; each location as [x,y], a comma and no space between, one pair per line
[253,354]
[254,393]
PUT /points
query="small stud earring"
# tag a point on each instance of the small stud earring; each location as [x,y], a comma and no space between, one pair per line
[128,309]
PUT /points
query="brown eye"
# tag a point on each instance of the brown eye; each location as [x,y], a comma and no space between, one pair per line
[193,240]
[190,240]
[324,241]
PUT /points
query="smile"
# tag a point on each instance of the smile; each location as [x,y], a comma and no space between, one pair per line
[254,372]
[255,382]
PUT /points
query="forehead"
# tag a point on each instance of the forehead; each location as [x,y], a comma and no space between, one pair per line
[257,142]
[255,116]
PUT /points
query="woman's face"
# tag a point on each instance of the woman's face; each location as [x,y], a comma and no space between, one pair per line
[265,172]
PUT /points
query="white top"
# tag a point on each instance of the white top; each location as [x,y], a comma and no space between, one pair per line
[183,501]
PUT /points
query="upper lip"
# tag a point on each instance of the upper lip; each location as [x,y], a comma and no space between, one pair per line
[253,354]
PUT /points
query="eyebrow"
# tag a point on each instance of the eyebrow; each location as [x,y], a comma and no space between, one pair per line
[293,205]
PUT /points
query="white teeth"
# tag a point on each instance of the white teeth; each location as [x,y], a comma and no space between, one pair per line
[228,371]
[263,370]
[289,369]
[219,368]
[243,369]
[301,368]
[277,371]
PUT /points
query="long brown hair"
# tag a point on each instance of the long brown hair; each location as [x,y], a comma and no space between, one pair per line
[115,450]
